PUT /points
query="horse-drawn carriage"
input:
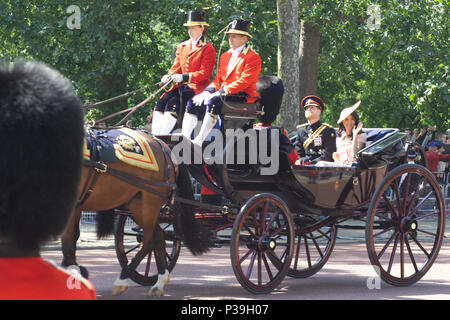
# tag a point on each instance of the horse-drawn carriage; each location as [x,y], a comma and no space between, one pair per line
[287,223]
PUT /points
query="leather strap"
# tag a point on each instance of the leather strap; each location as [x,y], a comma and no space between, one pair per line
[129,178]
[88,186]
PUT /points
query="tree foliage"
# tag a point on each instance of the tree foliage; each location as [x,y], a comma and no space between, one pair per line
[399,71]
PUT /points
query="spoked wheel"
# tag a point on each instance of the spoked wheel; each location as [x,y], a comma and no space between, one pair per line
[128,241]
[405,225]
[262,243]
[313,245]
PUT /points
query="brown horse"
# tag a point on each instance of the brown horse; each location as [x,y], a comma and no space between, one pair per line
[142,192]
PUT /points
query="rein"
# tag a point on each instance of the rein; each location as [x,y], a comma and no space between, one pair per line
[132,109]
[125,95]
[98,168]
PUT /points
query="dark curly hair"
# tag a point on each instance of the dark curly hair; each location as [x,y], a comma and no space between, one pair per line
[41,129]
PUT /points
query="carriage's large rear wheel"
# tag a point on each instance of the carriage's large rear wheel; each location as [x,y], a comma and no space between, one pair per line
[405,225]
[262,243]
[128,241]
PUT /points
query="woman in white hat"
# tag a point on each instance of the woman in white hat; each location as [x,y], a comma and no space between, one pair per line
[350,138]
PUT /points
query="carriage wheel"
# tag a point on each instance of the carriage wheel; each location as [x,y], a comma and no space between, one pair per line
[312,246]
[405,225]
[262,243]
[128,241]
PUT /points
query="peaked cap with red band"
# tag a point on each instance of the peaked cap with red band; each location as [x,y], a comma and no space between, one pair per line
[312,101]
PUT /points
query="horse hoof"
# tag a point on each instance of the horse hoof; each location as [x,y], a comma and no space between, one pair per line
[84,273]
[158,289]
[119,290]
[155,292]
[80,269]
[120,286]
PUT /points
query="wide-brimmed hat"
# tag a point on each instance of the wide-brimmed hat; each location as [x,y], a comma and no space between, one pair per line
[238,26]
[348,111]
[196,18]
[312,100]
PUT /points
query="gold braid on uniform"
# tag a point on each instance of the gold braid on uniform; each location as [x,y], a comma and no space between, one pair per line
[315,134]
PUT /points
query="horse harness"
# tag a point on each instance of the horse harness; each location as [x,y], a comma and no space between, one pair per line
[97,168]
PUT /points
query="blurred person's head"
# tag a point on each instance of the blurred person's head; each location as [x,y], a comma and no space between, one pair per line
[433,146]
[41,127]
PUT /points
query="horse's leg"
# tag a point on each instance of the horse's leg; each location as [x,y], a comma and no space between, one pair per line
[146,212]
[161,263]
[69,242]
[121,284]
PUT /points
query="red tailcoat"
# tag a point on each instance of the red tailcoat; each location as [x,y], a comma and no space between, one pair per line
[198,62]
[243,74]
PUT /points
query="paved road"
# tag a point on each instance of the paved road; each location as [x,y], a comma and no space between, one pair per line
[211,277]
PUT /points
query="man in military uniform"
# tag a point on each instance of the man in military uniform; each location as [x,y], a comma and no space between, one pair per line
[316,141]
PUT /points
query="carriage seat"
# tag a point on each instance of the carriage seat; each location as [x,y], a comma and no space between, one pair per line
[373,135]
[236,114]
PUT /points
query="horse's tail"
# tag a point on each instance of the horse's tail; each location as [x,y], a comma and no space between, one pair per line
[196,238]
[105,223]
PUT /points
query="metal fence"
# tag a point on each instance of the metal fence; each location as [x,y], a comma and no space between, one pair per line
[443,179]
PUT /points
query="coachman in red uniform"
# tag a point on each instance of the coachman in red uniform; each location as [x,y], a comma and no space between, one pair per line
[191,71]
[236,79]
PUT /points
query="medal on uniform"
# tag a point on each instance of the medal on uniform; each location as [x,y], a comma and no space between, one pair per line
[318,141]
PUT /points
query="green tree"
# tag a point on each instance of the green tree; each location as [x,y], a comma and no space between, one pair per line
[400,71]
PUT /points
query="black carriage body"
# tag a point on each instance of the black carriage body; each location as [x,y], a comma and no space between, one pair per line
[325,191]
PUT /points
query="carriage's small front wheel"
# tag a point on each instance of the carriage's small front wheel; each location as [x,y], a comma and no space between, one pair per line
[128,241]
[314,242]
[262,243]
[405,225]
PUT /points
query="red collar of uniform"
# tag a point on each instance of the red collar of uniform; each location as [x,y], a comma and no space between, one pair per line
[262,125]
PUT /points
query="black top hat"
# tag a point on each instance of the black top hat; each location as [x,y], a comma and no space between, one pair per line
[312,101]
[196,18]
[239,26]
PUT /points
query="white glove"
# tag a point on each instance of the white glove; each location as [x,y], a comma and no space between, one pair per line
[178,77]
[166,78]
[215,94]
[198,99]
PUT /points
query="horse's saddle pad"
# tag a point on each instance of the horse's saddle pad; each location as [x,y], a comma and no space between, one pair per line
[122,144]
